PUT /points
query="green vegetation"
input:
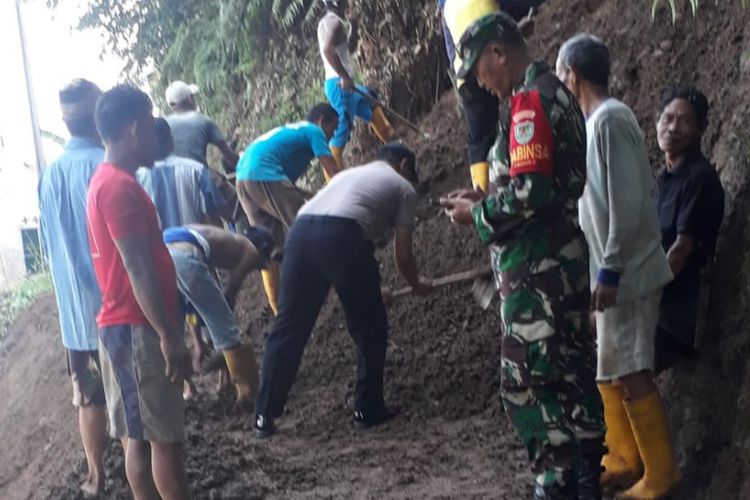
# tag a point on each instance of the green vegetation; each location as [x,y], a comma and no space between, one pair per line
[242,53]
[673,7]
[12,303]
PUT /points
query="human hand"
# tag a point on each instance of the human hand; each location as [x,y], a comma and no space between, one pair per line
[459,210]
[387,294]
[474,195]
[422,287]
[175,358]
[603,296]
[346,83]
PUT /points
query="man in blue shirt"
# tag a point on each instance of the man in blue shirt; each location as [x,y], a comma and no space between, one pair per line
[62,203]
[268,169]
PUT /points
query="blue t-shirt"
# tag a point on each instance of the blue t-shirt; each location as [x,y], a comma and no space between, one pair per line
[283,153]
[63,187]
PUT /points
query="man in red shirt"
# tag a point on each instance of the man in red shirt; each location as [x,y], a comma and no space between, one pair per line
[140,337]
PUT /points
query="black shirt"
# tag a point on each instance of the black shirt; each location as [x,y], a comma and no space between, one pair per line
[691,202]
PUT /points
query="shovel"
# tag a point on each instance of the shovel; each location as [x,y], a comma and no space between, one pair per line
[393,113]
[483,288]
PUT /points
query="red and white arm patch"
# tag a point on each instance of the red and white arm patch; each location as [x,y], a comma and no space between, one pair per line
[531,141]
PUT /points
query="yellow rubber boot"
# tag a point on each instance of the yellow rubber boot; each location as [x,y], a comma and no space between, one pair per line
[480,176]
[622,464]
[380,125]
[651,430]
[244,371]
[338,155]
[271,277]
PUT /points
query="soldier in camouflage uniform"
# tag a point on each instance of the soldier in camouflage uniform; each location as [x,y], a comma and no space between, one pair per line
[540,258]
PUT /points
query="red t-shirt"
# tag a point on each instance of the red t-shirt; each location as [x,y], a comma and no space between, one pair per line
[118,207]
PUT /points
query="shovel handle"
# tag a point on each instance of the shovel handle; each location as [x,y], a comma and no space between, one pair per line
[450,279]
[388,110]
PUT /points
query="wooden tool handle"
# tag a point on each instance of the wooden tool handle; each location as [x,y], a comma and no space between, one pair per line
[450,279]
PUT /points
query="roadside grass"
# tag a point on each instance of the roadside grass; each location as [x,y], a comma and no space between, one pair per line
[13,302]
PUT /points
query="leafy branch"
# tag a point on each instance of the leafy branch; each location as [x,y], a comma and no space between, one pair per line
[673,8]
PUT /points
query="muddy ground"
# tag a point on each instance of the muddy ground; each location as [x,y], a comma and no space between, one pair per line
[451,438]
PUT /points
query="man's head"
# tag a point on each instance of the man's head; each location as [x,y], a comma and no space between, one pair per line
[126,125]
[262,240]
[583,61]
[324,116]
[682,120]
[494,49]
[164,139]
[181,96]
[401,158]
[78,104]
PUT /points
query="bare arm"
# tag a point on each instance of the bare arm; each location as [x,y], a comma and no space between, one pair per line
[679,253]
[335,35]
[229,156]
[329,165]
[406,263]
[139,265]
[247,262]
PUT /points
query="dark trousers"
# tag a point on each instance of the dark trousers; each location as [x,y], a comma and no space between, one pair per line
[481,114]
[321,252]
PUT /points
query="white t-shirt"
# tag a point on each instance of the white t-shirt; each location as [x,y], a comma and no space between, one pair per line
[329,22]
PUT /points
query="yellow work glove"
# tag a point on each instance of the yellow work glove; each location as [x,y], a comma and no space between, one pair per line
[480,175]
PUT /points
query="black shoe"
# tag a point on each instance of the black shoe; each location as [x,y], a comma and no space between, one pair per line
[588,472]
[365,420]
[554,492]
[264,427]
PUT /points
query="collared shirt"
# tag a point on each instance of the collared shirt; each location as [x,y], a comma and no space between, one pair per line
[62,204]
[537,174]
[182,190]
[374,195]
[283,153]
[691,202]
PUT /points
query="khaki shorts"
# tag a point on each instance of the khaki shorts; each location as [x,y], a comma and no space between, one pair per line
[626,336]
[271,204]
[141,402]
[86,374]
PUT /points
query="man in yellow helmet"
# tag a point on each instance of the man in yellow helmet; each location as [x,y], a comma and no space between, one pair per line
[480,107]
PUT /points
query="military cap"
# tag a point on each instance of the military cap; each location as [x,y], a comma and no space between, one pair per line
[494,27]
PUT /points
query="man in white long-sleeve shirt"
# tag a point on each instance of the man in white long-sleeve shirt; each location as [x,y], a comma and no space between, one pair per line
[628,271]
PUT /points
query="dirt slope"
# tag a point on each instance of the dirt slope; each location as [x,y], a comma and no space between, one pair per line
[451,439]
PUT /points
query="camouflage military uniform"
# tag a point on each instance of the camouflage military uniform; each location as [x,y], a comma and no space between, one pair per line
[540,258]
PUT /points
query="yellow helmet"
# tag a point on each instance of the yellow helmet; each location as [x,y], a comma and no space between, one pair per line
[460,14]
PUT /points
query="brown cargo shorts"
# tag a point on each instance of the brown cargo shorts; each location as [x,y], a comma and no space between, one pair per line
[85,373]
[271,204]
[141,401]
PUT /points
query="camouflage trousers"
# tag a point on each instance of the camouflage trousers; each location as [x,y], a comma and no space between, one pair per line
[548,370]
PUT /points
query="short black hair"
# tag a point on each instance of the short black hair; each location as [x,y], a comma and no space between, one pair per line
[164,139]
[74,92]
[394,153]
[691,94]
[119,107]
[588,56]
[322,110]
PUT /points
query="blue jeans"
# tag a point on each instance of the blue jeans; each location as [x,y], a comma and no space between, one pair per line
[347,105]
[321,252]
[200,289]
